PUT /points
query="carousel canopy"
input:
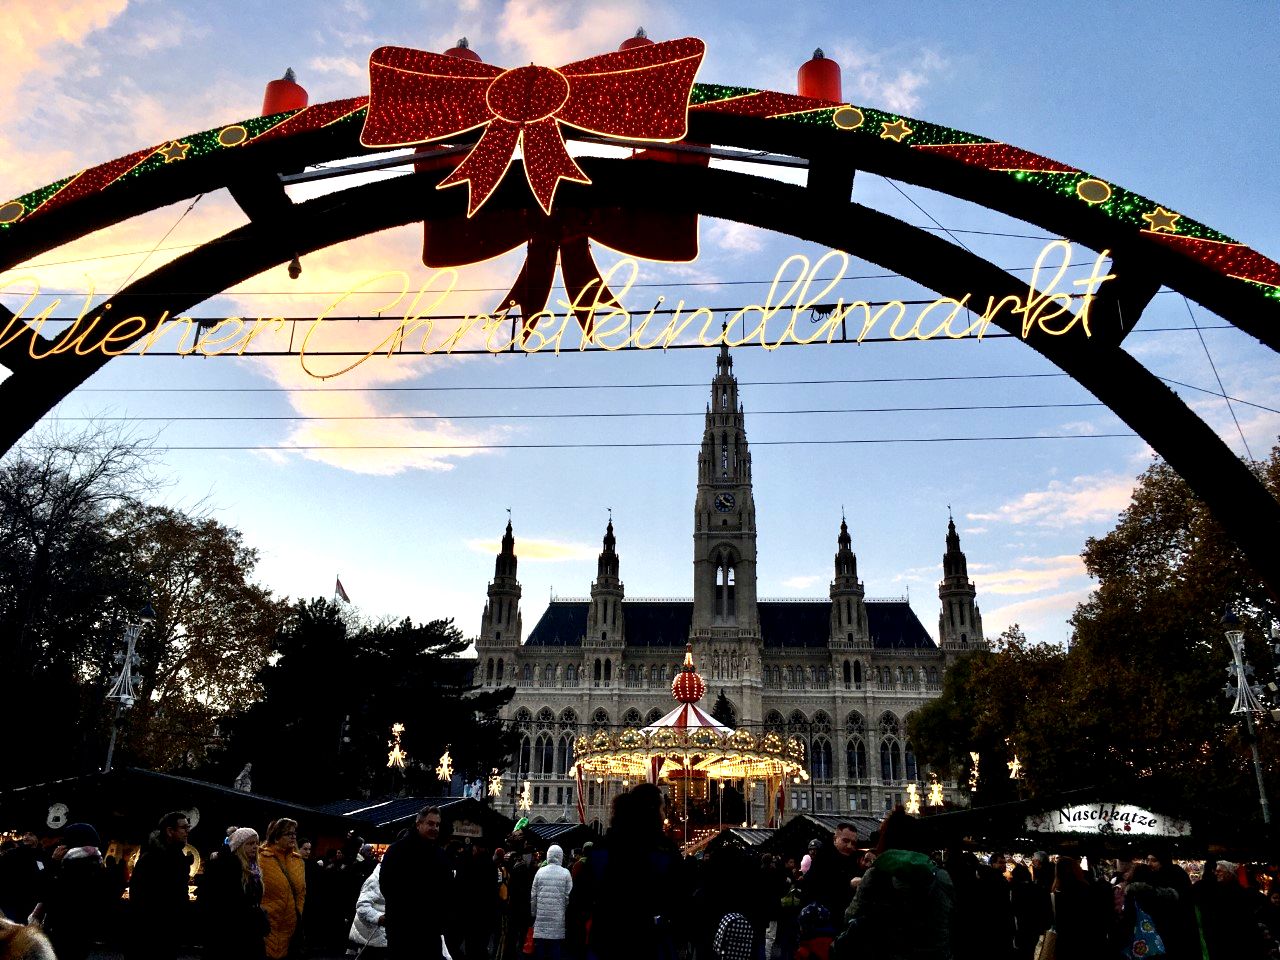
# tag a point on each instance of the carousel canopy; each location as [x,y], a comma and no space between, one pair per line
[688,742]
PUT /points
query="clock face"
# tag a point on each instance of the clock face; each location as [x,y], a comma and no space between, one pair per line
[725,502]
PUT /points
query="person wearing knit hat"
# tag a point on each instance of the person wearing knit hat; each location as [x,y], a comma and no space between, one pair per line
[77,893]
[238,839]
[231,901]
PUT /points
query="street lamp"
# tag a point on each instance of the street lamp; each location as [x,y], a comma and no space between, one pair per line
[1240,685]
[122,691]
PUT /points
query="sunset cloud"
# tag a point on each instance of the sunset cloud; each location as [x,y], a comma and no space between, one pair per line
[1031,576]
[549,551]
[1084,499]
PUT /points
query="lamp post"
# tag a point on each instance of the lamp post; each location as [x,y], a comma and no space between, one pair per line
[1239,684]
[122,691]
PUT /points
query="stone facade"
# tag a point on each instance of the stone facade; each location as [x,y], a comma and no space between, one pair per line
[844,674]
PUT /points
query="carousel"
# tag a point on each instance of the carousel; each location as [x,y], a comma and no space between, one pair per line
[688,749]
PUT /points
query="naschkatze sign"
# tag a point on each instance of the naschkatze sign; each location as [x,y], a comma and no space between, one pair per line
[1107,818]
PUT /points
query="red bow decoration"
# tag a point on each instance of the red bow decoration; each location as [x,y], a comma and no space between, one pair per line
[634,231]
[416,97]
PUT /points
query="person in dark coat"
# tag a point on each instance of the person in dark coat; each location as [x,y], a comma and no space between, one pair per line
[158,892]
[829,879]
[1032,911]
[1082,912]
[904,903]
[230,902]
[76,894]
[1230,929]
[418,886]
[633,887]
[995,908]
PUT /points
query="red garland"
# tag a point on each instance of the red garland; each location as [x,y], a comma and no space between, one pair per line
[417,97]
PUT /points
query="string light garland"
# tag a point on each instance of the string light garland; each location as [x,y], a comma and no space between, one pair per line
[396,758]
[617,93]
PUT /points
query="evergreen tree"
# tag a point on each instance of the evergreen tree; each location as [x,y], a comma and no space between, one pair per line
[723,711]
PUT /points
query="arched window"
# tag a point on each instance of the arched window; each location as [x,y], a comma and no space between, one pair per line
[608,672]
[848,675]
[857,674]
[900,676]
[544,756]
[568,717]
[571,675]
[911,674]
[724,454]
[596,672]
[523,717]
[797,725]
[488,669]
[527,677]
[600,719]
[820,758]
[522,763]
[855,758]
[655,674]
[773,722]
[564,755]
[499,669]
[911,770]
[653,715]
[631,675]
[890,748]
[549,674]
[822,678]
[964,639]
[631,718]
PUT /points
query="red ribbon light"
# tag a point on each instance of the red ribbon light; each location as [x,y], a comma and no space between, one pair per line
[417,97]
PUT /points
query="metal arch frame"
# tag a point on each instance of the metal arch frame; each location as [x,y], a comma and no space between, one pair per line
[821,212]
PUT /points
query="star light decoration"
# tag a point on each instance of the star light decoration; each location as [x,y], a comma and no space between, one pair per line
[174,150]
[973,772]
[444,769]
[935,794]
[1015,768]
[1162,219]
[397,757]
[418,97]
[912,806]
[526,797]
[495,783]
[896,131]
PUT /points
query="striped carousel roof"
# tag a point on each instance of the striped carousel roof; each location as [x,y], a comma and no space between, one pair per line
[687,716]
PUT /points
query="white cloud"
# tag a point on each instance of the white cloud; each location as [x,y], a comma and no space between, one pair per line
[891,79]
[968,530]
[551,33]
[1084,499]
[343,66]
[801,582]
[1046,614]
[735,238]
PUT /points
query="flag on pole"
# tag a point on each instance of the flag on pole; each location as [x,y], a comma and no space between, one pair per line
[582,807]
[339,592]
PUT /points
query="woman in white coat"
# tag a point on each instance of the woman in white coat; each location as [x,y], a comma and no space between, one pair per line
[548,900]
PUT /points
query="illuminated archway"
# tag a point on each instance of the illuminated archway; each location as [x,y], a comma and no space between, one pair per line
[1151,246]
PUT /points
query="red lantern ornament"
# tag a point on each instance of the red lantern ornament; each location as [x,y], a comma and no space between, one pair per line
[284,95]
[688,687]
[462,50]
[417,97]
[819,79]
[641,39]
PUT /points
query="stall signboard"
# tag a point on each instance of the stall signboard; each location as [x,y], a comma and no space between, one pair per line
[1107,819]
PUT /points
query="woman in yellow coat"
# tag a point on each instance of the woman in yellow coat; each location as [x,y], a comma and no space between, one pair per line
[284,886]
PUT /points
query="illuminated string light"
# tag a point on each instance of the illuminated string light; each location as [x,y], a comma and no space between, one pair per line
[897,131]
[973,771]
[444,769]
[526,797]
[912,806]
[495,783]
[935,794]
[1162,219]
[174,150]
[396,758]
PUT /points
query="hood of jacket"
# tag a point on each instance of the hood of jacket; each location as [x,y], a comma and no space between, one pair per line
[906,867]
[555,854]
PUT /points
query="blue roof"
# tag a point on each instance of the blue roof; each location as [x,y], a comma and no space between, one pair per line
[783,623]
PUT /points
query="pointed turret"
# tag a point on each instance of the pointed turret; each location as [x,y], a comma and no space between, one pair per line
[500,624]
[605,622]
[848,612]
[960,621]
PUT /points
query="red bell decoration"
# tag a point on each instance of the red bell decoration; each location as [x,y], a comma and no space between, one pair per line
[284,94]
[462,50]
[820,78]
[641,39]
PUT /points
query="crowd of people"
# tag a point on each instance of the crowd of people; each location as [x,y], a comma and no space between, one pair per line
[891,896]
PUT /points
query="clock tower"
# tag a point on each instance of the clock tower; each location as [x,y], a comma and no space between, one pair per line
[725,629]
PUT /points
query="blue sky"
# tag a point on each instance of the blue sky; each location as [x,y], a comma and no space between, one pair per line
[1172,100]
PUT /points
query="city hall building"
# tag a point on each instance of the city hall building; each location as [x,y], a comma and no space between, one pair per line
[844,674]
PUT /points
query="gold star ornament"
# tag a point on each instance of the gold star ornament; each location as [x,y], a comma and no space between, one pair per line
[1162,219]
[896,131]
[174,150]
